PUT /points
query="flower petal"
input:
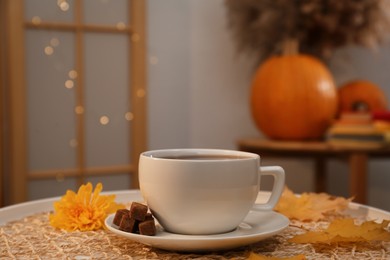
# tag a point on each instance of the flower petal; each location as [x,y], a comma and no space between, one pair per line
[83,211]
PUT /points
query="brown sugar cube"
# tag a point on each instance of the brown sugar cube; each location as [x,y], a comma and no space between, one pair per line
[118,216]
[138,211]
[149,216]
[147,228]
[127,224]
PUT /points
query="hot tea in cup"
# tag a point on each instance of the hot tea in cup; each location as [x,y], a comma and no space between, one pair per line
[204,191]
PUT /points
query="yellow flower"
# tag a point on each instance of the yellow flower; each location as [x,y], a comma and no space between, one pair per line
[83,211]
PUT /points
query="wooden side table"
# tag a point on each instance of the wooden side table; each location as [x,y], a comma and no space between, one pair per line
[356,157]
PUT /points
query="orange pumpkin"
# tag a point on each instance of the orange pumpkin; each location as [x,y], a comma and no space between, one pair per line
[293,97]
[361,95]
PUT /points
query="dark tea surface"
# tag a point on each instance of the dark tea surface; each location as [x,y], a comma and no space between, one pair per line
[205,157]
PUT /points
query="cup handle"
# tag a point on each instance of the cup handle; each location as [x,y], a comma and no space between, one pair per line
[278,173]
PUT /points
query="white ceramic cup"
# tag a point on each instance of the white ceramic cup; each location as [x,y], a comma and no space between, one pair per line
[204,191]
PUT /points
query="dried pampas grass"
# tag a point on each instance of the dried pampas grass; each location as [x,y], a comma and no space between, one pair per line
[262,26]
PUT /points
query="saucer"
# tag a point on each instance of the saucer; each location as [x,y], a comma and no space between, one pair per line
[255,227]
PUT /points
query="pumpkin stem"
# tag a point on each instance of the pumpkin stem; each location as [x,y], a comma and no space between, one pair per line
[290,47]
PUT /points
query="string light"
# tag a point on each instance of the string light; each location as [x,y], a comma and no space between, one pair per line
[141,93]
[104,120]
[63,5]
[79,110]
[54,42]
[72,74]
[36,20]
[129,116]
[121,26]
[69,84]
[49,50]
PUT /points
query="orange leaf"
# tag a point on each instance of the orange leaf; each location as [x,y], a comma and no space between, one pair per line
[345,230]
[309,206]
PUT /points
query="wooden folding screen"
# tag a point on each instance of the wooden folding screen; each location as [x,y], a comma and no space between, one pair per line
[16,173]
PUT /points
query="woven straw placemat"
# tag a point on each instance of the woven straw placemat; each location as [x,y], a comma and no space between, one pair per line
[33,238]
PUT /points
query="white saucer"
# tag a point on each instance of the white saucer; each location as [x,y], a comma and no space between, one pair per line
[255,227]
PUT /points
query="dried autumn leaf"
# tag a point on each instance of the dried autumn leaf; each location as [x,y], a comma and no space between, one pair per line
[254,256]
[345,230]
[309,206]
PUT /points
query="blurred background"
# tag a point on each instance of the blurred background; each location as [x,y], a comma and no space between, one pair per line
[193,92]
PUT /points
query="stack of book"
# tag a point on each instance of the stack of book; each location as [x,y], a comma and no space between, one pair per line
[371,130]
